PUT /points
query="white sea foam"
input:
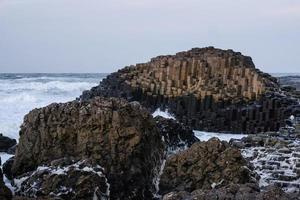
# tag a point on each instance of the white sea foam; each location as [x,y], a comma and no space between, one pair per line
[23,92]
[204,136]
[162,113]
[4,158]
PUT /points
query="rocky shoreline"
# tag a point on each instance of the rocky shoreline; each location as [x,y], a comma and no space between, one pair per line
[107,145]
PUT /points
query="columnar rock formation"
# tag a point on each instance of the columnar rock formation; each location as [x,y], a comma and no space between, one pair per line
[205,165]
[223,75]
[208,89]
[119,136]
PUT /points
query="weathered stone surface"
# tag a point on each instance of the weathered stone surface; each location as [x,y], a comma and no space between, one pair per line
[64,179]
[233,192]
[6,143]
[204,166]
[6,167]
[121,137]
[176,136]
[207,89]
[274,158]
[5,193]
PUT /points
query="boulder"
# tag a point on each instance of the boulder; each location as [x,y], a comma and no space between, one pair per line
[205,165]
[6,143]
[119,136]
[176,136]
[64,179]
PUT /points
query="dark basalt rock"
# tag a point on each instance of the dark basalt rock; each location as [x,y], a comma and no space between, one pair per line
[65,179]
[176,135]
[12,150]
[275,156]
[205,165]
[290,83]
[233,192]
[6,167]
[6,143]
[208,89]
[121,137]
[5,193]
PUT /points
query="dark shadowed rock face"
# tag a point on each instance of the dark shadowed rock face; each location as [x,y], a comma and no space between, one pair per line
[176,136]
[233,192]
[121,137]
[207,89]
[6,167]
[5,193]
[205,165]
[6,143]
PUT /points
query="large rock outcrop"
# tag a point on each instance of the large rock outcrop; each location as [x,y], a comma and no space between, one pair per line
[176,136]
[119,136]
[205,165]
[206,88]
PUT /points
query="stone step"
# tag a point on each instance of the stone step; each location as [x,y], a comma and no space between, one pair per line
[268,167]
[296,155]
[285,151]
[286,184]
[285,177]
[274,163]
[278,158]
[297,171]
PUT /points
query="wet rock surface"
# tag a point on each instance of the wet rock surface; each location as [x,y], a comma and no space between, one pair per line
[6,167]
[277,162]
[5,193]
[233,192]
[64,179]
[119,136]
[176,136]
[205,165]
[206,88]
[6,143]
[275,156]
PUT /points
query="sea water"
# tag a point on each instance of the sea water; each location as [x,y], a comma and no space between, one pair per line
[20,93]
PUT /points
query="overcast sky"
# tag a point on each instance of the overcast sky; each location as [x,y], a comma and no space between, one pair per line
[103,36]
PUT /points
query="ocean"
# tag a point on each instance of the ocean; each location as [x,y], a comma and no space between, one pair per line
[20,93]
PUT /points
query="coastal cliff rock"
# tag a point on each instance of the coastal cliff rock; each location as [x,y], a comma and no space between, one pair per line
[205,88]
[205,165]
[119,136]
[176,136]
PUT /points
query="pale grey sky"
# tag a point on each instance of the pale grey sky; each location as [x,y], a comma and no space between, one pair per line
[104,35]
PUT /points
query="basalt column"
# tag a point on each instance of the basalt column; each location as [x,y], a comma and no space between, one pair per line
[207,88]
